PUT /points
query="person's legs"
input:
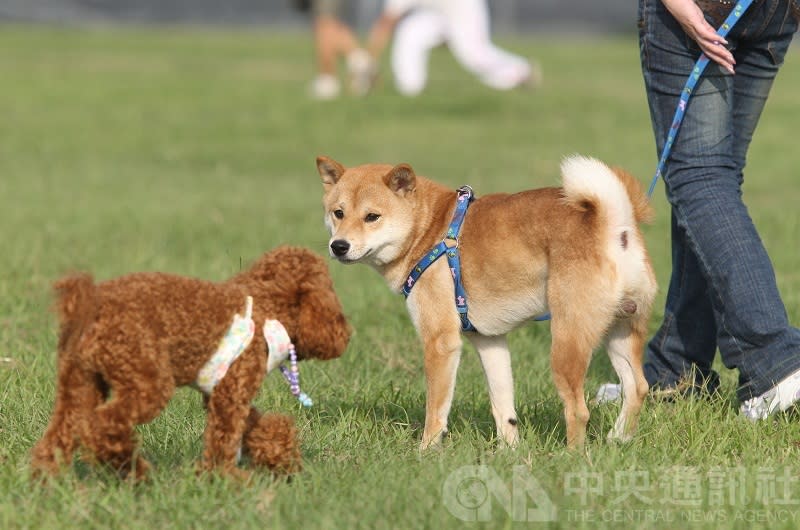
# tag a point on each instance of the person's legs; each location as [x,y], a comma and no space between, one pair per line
[415,36]
[469,40]
[680,354]
[334,39]
[764,44]
[723,280]
[683,349]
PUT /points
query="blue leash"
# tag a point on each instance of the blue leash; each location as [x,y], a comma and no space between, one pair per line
[733,17]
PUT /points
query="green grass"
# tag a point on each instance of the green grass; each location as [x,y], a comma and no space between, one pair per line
[192,151]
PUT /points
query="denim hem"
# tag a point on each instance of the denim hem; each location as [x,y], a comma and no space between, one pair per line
[776,374]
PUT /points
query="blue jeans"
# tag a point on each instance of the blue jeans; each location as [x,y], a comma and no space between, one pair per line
[722,292]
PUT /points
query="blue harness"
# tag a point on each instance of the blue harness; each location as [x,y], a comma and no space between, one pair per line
[464,197]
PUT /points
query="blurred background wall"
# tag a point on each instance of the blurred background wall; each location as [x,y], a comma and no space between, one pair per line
[557,16]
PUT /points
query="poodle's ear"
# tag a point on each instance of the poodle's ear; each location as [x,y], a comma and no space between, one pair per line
[330,171]
[323,331]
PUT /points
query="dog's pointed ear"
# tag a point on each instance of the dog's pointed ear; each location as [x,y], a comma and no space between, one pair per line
[401,179]
[329,170]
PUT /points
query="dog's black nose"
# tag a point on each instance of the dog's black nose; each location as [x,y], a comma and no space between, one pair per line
[340,247]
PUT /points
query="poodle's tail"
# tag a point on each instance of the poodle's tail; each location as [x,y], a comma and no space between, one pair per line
[75,306]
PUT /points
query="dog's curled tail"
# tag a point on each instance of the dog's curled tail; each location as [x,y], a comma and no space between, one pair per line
[75,305]
[642,210]
[587,179]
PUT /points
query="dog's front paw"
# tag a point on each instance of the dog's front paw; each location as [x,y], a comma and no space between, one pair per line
[208,470]
[618,437]
[509,434]
[272,443]
[136,471]
[432,443]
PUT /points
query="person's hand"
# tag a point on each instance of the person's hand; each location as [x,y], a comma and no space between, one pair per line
[691,19]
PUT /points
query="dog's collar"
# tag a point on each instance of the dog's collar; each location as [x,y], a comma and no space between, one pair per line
[238,338]
[464,197]
[278,342]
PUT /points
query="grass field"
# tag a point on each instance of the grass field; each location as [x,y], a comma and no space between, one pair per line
[192,151]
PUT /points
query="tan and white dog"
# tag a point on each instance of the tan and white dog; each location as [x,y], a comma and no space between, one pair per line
[575,251]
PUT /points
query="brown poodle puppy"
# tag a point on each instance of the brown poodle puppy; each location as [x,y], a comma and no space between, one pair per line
[125,345]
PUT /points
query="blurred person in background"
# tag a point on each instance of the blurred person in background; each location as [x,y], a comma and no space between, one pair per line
[334,40]
[419,26]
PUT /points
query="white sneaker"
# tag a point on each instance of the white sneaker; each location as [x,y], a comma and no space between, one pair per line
[535,77]
[515,75]
[325,87]
[778,398]
[362,70]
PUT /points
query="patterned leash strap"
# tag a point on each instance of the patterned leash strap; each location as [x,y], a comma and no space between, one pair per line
[733,17]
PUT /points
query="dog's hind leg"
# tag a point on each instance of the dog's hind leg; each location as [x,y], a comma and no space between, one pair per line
[625,345]
[496,361]
[78,392]
[140,389]
[229,412]
[570,360]
[576,331]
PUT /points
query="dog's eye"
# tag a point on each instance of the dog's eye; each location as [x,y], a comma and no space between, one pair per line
[372,217]
[339,214]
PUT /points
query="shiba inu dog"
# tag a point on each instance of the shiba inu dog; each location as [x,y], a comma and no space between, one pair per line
[574,251]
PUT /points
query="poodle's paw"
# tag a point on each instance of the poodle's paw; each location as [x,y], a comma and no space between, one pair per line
[137,471]
[46,462]
[210,471]
[272,443]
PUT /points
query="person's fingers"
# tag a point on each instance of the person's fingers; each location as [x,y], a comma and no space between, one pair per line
[712,44]
[719,54]
[704,31]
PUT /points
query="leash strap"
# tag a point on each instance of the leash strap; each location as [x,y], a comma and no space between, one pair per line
[733,17]
[464,197]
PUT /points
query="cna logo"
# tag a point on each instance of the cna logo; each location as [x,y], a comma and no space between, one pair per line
[473,493]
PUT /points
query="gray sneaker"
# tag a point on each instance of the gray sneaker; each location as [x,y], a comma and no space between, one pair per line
[778,398]
[608,393]
[612,392]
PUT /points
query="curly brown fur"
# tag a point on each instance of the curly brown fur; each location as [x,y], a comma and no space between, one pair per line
[271,442]
[125,345]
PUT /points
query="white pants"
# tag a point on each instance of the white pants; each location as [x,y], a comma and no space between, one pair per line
[466,34]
